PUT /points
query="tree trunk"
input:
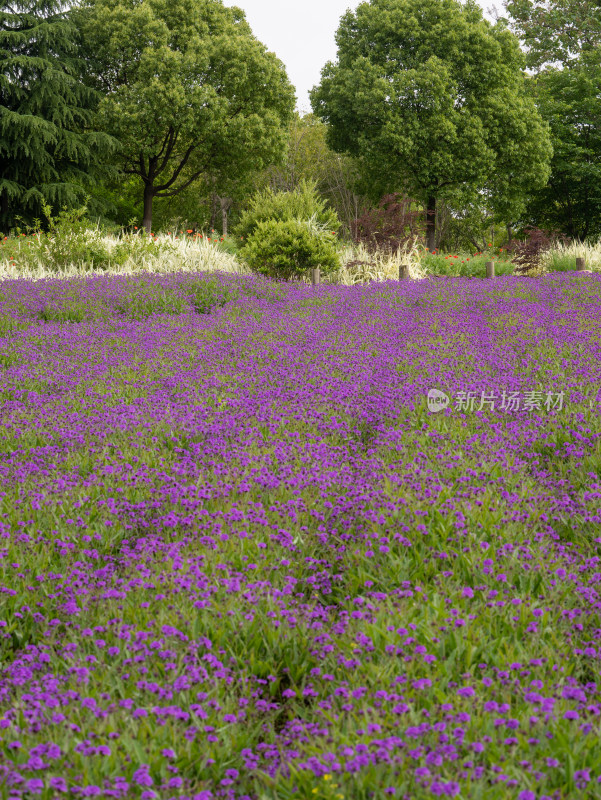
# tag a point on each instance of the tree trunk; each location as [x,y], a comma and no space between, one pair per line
[509,234]
[431,224]
[148,198]
[4,208]
[213,211]
[226,204]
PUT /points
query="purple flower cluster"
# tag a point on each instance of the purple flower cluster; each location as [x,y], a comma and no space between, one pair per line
[241,559]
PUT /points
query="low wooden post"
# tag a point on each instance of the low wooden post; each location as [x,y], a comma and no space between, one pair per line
[403,272]
[580,264]
[315,276]
[490,269]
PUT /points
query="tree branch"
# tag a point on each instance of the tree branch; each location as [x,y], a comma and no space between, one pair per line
[168,135]
[169,142]
[180,188]
[182,164]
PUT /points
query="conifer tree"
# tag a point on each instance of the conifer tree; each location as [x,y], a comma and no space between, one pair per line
[48,148]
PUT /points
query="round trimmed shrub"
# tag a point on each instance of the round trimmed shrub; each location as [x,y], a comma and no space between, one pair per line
[287,249]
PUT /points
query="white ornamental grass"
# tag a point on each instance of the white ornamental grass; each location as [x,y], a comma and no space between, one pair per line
[198,254]
[379,266]
[174,254]
[562,252]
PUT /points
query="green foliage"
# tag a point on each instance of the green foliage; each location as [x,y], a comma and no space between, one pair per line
[189,91]
[309,158]
[118,199]
[137,246]
[287,249]
[302,203]
[555,30]
[146,303]
[67,240]
[466,227]
[226,244]
[569,100]
[563,38]
[206,295]
[465,265]
[431,98]
[560,263]
[49,147]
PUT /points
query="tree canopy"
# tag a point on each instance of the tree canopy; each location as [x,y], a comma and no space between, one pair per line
[563,46]
[432,99]
[188,90]
[555,30]
[49,149]
[569,99]
[309,158]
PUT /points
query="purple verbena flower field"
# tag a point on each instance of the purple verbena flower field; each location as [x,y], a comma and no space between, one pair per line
[241,559]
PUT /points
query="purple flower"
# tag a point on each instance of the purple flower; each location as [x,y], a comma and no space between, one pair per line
[141,776]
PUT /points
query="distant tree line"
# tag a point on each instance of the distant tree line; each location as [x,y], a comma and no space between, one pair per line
[160,114]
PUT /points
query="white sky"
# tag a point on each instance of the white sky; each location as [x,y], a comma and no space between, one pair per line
[301,34]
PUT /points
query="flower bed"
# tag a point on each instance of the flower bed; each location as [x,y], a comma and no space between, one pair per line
[242,559]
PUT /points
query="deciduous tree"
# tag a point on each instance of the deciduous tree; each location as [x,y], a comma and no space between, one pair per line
[431,97]
[309,158]
[188,90]
[568,98]
[563,43]
[555,31]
